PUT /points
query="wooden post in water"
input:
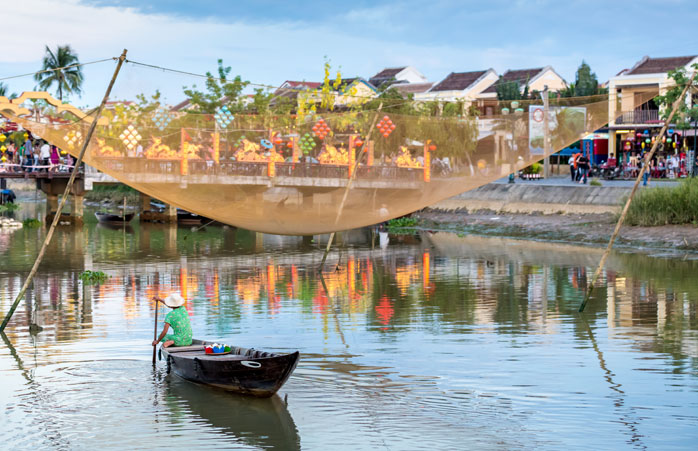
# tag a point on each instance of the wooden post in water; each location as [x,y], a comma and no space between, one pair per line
[68,187]
[644,168]
[155,329]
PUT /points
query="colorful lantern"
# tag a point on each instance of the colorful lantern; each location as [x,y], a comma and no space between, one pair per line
[307,143]
[223,116]
[161,118]
[266,143]
[130,137]
[72,137]
[321,129]
[2,138]
[386,126]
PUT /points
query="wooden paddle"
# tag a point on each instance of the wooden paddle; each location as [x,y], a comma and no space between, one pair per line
[155,329]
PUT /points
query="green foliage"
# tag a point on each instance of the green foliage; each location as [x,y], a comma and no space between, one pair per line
[8,207]
[31,223]
[595,182]
[93,277]
[5,92]
[661,206]
[400,225]
[219,91]
[508,90]
[535,168]
[685,114]
[67,79]
[585,84]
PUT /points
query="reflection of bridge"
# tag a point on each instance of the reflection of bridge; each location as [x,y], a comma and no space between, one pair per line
[296,175]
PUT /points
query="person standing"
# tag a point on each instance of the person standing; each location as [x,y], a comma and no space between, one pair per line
[29,154]
[583,166]
[45,154]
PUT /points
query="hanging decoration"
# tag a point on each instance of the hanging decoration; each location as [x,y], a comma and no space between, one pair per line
[223,116]
[130,137]
[307,143]
[161,118]
[72,137]
[386,126]
[321,129]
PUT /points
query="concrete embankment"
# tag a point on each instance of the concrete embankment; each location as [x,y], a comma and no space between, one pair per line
[532,198]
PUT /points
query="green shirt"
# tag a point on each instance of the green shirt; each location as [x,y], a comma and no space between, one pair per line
[178,319]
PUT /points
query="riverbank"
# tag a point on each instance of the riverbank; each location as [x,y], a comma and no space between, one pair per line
[583,229]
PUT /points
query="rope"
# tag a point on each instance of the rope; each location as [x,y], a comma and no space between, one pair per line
[59,68]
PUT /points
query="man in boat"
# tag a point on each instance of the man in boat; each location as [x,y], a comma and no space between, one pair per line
[178,319]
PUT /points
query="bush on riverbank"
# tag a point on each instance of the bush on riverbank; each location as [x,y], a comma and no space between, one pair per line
[661,206]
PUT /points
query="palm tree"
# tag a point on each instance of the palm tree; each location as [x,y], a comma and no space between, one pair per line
[4,91]
[69,79]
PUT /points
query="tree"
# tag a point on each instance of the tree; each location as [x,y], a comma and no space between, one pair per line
[219,91]
[4,91]
[685,114]
[508,90]
[68,79]
[585,83]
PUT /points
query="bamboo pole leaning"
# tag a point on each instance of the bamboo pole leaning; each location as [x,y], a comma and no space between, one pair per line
[351,179]
[66,192]
[624,212]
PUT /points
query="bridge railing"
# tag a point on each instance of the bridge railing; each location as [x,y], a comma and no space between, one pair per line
[136,165]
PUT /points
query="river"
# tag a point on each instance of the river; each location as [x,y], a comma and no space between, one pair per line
[436,341]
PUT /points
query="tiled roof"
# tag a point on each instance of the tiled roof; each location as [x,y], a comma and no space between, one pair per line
[458,81]
[386,74]
[412,88]
[520,76]
[659,65]
[181,105]
[290,84]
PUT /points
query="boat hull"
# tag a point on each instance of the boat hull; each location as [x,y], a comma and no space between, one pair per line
[245,371]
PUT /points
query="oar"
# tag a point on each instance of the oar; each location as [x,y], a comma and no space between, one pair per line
[155,329]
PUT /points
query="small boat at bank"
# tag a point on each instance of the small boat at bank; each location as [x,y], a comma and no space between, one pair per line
[109,218]
[245,371]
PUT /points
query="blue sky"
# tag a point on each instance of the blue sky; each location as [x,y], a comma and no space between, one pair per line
[271,41]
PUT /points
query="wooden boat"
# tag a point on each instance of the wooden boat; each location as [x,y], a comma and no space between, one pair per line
[108,218]
[187,218]
[244,371]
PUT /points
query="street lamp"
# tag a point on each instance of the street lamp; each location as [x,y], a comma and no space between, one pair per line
[517,113]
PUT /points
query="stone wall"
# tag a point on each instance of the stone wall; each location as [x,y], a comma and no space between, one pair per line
[531,198]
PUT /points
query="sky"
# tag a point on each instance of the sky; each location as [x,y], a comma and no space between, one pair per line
[268,41]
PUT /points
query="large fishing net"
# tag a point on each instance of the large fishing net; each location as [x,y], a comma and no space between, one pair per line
[314,172]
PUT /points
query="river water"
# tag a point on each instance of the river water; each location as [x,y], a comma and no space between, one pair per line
[435,341]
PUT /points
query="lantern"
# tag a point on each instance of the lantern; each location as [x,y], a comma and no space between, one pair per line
[385,126]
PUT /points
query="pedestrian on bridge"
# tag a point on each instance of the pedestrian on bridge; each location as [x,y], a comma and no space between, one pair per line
[45,155]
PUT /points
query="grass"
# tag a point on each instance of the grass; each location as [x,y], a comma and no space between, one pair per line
[662,206]
[31,223]
[8,207]
[113,193]
[595,182]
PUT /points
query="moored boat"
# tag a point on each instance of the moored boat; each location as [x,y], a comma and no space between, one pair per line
[109,218]
[245,371]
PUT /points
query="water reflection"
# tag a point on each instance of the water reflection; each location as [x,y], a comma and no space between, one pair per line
[452,339]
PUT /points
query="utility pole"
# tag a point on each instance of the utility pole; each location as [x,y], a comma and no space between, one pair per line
[546,133]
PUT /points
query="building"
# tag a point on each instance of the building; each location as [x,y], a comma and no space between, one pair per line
[397,75]
[354,90]
[466,86]
[536,79]
[631,111]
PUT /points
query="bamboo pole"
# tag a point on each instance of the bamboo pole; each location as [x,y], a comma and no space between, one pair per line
[644,168]
[68,187]
[349,182]
[155,329]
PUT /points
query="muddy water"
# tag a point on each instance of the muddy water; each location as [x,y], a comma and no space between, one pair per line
[434,342]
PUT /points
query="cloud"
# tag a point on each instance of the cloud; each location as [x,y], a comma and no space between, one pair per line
[438,40]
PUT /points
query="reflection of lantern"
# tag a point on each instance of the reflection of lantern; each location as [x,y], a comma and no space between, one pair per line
[642,145]
[668,140]
[648,140]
